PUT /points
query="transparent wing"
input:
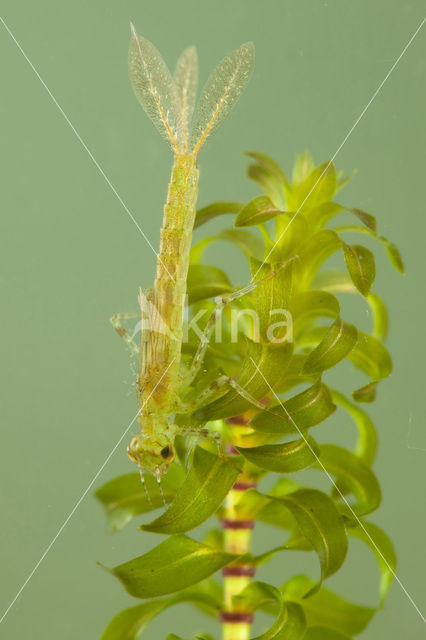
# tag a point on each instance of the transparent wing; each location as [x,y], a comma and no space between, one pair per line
[155,89]
[186,80]
[223,88]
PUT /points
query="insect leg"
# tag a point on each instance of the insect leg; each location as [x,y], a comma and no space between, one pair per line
[205,434]
[221,302]
[116,321]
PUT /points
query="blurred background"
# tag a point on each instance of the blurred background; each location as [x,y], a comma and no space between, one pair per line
[70,257]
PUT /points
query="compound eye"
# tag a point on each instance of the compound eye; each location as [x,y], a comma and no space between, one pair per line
[167,452]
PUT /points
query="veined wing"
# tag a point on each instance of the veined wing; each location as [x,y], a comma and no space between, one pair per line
[222,90]
[155,89]
[186,80]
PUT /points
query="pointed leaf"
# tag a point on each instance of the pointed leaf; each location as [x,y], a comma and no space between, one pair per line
[272,186]
[391,249]
[203,491]
[304,410]
[322,525]
[130,623]
[250,244]
[367,437]
[155,89]
[125,497]
[290,622]
[361,266]
[379,543]
[317,188]
[337,343]
[272,360]
[176,563]
[205,281]
[366,218]
[355,474]
[380,314]
[326,608]
[268,164]
[216,209]
[257,211]
[224,86]
[282,458]
[186,78]
[366,393]
[303,167]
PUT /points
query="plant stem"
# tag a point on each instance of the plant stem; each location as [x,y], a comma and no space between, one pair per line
[236,623]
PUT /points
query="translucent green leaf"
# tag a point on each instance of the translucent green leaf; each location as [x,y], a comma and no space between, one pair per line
[337,343]
[205,281]
[257,211]
[303,167]
[272,299]
[311,305]
[175,564]
[369,220]
[324,633]
[222,90]
[282,458]
[335,281]
[317,188]
[361,266]
[326,608]
[250,243]
[290,623]
[131,623]
[367,437]
[186,78]
[268,164]
[379,543]
[315,251]
[216,209]
[320,215]
[322,525]
[391,249]
[304,410]
[366,393]
[203,491]
[125,497]
[356,475]
[370,356]
[380,330]
[271,359]
[155,89]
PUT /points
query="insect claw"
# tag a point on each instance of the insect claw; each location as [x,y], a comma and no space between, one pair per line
[158,475]
[144,486]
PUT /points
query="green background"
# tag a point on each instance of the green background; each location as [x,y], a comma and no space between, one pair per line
[70,257]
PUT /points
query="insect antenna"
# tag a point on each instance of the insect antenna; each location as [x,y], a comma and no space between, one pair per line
[158,474]
[144,486]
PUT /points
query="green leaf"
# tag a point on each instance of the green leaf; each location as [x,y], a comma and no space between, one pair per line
[315,251]
[355,474]
[380,330]
[366,446]
[391,249]
[205,281]
[131,623]
[324,633]
[290,623]
[175,564]
[185,78]
[303,167]
[203,491]
[366,393]
[257,211]
[337,343]
[271,359]
[173,636]
[322,525]
[366,218]
[326,608]
[317,188]
[320,215]
[268,164]
[310,305]
[304,410]
[361,266]
[250,243]
[125,497]
[282,458]
[216,209]
[370,356]
[379,543]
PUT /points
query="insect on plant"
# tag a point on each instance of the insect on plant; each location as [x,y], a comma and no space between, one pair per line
[258,396]
[161,383]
